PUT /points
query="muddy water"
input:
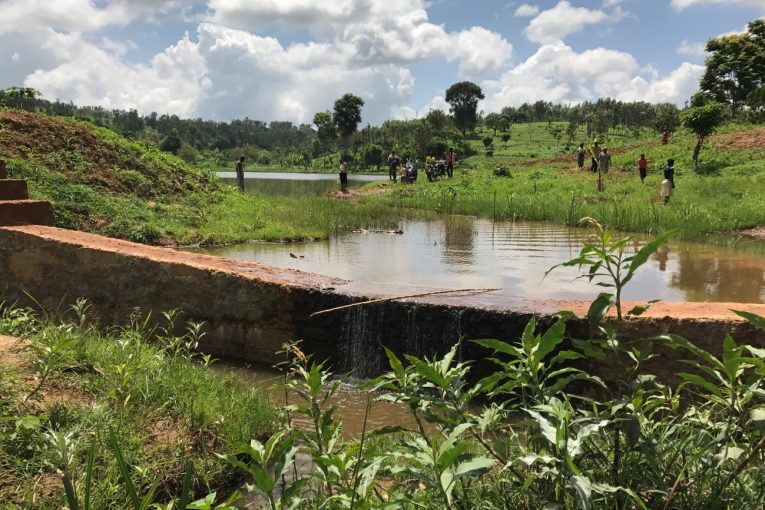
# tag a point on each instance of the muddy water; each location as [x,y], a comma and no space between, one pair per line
[465,252]
[351,400]
[295,184]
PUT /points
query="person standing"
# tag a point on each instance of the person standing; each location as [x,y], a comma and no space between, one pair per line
[393,164]
[240,173]
[451,158]
[668,184]
[604,160]
[343,176]
[642,167]
[595,155]
[580,156]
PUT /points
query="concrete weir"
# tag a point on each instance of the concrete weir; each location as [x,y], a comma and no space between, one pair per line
[251,309]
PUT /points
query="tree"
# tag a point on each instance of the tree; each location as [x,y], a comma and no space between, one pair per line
[505,138]
[702,120]
[347,115]
[667,118]
[736,65]
[437,119]
[373,155]
[756,101]
[492,121]
[325,126]
[463,99]
[18,94]
[171,143]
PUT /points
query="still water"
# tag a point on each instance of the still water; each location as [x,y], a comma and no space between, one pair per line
[463,252]
[295,184]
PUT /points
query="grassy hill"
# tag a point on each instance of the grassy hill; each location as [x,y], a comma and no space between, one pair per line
[101,182]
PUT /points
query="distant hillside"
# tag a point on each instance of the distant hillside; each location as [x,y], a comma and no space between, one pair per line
[102,182]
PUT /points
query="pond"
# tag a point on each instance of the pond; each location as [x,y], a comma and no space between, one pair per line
[296,184]
[456,252]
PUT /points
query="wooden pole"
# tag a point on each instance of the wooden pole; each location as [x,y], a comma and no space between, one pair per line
[381,300]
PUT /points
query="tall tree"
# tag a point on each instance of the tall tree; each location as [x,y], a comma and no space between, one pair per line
[347,115]
[325,126]
[463,99]
[736,65]
[702,120]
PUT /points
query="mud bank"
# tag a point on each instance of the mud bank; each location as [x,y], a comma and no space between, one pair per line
[251,309]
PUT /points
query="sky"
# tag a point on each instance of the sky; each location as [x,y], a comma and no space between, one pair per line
[288,59]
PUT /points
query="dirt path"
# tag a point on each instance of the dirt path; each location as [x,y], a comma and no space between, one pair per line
[10,352]
[354,193]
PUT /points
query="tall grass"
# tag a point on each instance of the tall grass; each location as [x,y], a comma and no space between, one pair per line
[162,402]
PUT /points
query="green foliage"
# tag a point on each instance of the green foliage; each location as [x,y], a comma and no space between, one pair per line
[703,121]
[119,388]
[736,65]
[463,100]
[347,114]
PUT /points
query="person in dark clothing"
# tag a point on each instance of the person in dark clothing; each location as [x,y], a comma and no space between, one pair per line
[668,184]
[451,158]
[393,164]
[344,176]
[240,173]
[580,153]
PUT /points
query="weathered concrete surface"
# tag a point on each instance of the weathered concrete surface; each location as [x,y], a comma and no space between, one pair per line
[251,309]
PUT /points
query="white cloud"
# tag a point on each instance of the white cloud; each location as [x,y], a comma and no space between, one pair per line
[76,15]
[692,49]
[558,74]
[681,5]
[560,21]
[526,11]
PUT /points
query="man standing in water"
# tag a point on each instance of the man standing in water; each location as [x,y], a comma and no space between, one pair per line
[240,173]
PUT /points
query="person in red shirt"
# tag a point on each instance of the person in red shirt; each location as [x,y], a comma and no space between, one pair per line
[642,167]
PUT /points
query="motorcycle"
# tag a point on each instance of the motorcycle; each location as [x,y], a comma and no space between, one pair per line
[437,170]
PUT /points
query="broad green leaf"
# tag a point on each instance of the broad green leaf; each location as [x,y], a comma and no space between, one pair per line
[548,430]
[598,309]
[700,381]
[474,466]
[645,252]
[500,346]
[583,489]
[758,417]
[550,340]
[755,320]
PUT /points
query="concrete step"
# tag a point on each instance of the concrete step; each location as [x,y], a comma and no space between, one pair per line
[25,212]
[13,189]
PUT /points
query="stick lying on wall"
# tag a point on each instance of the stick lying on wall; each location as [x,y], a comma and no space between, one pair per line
[380,300]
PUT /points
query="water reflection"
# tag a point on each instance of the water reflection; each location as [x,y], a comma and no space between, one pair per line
[295,184]
[463,252]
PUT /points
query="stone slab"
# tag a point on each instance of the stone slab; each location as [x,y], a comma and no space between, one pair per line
[13,189]
[25,212]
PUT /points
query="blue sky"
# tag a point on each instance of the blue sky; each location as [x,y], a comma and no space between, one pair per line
[287,59]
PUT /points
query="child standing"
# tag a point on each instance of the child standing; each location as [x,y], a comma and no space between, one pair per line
[642,167]
[668,184]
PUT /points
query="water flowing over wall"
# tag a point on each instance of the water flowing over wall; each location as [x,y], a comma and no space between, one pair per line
[250,309]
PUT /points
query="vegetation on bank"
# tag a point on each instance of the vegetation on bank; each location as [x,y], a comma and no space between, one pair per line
[67,388]
[541,430]
[723,194]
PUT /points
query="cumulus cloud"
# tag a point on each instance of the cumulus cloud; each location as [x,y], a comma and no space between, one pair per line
[76,15]
[558,74]
[560,21]
[526,11]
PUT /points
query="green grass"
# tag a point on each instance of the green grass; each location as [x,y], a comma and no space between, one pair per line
[723,195]
[165,406]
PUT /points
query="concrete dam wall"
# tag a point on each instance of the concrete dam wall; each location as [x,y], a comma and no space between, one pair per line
[250,309]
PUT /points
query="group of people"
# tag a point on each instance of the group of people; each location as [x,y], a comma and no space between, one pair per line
[407,169]
[601,160]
